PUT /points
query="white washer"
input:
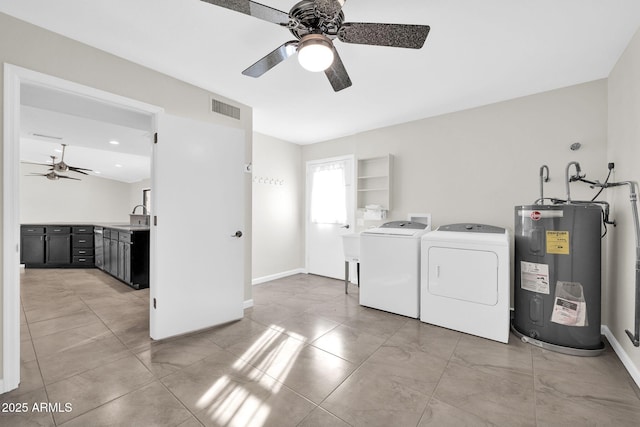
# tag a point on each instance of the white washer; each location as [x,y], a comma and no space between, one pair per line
[465,280]
[390,267]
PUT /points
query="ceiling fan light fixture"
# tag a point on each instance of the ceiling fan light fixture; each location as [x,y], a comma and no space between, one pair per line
[315,52]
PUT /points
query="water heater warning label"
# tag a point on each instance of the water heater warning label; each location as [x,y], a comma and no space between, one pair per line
[534,277]
[558,242]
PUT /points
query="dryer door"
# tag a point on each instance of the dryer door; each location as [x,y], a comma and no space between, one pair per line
[463,274]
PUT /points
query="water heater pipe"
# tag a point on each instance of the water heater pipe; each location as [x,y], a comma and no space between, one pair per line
[543,178]
[633,198]
[575,177]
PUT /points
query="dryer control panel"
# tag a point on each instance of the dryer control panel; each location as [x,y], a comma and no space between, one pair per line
[472,228]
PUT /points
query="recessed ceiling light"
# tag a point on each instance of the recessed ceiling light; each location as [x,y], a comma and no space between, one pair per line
[57,150]
[96,172]
[118,165]
[114,142]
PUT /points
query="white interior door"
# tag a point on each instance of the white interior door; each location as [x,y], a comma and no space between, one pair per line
[330,214]
[197,262]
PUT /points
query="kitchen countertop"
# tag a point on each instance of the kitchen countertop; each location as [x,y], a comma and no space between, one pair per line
[118,226]
[124,227]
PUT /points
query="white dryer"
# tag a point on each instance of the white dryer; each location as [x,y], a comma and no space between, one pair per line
[465,280]
[390,267]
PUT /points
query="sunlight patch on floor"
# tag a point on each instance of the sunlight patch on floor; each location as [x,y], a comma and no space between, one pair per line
[229,403]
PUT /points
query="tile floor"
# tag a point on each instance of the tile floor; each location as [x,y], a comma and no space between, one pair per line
[306,354]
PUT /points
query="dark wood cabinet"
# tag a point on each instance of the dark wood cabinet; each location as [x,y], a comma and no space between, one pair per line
[32,245]
[56,246]
[98,247]
[58,249]
[126,255]
[82,251]
[121,251]
[112,267]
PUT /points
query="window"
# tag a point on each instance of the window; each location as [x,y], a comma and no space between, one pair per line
[146,199]
[328,193]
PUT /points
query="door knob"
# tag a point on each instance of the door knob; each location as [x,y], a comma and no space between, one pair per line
[238,234]
[345,226]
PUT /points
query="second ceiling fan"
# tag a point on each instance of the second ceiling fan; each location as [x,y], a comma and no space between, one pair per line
[61,166]
[315,24]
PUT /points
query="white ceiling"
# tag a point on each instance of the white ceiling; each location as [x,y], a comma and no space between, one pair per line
[478,52]
[49,118]
[88,144]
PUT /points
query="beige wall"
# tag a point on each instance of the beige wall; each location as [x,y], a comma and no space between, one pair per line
[37,49]
[624,150]
[476,165]
[278,215]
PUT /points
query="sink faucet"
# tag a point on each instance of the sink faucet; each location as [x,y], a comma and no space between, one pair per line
[144,209]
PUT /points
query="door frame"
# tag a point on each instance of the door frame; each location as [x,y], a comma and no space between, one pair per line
[307,192]
[14,77]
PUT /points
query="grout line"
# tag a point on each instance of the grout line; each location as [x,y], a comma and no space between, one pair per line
[44,385]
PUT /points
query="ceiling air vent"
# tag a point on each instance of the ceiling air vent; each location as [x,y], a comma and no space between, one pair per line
[225,109]
[40,135]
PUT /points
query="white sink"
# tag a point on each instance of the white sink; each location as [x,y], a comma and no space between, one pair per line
[351,245]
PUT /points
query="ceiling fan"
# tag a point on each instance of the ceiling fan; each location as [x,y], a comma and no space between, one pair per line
[53,176]
[61,166]
[315,24]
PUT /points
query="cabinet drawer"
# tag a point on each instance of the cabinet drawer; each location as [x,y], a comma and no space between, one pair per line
[58,230]
[87,229]
[124,237]
[32,230]
[83,252]
[82,241]
[83,260]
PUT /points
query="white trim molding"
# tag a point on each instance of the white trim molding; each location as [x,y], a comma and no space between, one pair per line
[271,277]
[622,354]
[248,303]
[10,232]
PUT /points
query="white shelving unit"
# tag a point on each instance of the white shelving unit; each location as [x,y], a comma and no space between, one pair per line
[374,181]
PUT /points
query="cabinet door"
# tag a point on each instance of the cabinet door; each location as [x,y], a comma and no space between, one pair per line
[113,257]
[126,262]
[121,254]
[106,253]
[98,249]
[32,249]
[58,249]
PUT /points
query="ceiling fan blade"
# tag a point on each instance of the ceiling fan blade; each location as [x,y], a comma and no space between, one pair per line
[79,170]
[39,164]
[329,8]
[272,59]
[254,9]
[337,74]
[393,35]
[68,177]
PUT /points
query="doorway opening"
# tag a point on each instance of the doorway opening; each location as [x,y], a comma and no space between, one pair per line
[21,84]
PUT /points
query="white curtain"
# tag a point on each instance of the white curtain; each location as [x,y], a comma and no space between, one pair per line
[328,193]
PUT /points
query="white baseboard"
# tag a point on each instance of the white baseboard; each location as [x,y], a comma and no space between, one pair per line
[248,303]
[622,355]
[271,277]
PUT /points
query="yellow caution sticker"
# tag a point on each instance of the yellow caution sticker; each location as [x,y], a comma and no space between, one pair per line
[558,242]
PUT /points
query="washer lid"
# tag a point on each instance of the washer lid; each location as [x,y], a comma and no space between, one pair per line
[472,228]
[399,228]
